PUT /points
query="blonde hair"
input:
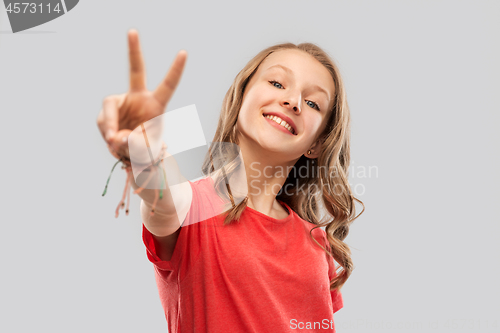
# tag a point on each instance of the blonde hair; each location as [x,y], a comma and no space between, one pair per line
[334,155]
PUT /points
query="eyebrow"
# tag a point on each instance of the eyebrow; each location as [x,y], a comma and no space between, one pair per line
[289,71]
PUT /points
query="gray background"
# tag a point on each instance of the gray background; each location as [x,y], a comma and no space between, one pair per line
[422,83]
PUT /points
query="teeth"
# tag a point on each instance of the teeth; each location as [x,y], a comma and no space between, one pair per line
[283,123]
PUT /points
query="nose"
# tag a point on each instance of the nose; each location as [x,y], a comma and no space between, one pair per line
[292,102]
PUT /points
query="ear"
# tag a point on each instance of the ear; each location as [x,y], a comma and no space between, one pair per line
[315,149]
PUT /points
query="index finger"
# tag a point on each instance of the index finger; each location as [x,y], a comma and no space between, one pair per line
[137,73]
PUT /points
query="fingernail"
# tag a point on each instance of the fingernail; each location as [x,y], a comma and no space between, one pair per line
[124,139]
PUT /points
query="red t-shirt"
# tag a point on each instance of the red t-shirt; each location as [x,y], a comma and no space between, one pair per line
[258,274]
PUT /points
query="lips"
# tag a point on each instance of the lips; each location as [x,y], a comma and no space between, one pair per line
[283,117]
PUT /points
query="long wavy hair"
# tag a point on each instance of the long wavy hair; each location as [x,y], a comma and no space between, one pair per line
[327,190]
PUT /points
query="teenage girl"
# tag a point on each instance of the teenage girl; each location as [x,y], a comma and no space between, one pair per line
[264,265]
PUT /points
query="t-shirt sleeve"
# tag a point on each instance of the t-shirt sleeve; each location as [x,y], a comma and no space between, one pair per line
[337,300]
[152,253]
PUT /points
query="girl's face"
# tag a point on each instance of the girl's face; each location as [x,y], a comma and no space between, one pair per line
[295,87]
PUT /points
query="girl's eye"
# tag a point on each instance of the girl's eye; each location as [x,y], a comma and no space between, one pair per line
[276,84]
[310,103]
[313,105]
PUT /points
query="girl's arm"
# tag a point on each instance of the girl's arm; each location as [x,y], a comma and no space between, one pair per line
[170,211]
[123,113]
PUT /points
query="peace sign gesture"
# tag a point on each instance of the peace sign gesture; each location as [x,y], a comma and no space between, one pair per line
[120,114]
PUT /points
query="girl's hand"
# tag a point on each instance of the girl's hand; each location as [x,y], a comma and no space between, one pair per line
[120,114]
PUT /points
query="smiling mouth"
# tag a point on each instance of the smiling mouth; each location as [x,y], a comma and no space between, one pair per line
[281,122]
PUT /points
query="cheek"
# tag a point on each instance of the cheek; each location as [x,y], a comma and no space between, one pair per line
[244,119]
[315,123]
[248,108]
[314,127]
[242,114]
[256,97]
[248,102]
[245,106]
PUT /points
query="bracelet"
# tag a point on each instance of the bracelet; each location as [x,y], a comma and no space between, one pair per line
[126,164]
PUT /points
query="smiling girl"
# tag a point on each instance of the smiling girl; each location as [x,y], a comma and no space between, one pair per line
[264,264]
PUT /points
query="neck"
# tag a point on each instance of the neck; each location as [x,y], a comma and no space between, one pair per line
[266,172]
